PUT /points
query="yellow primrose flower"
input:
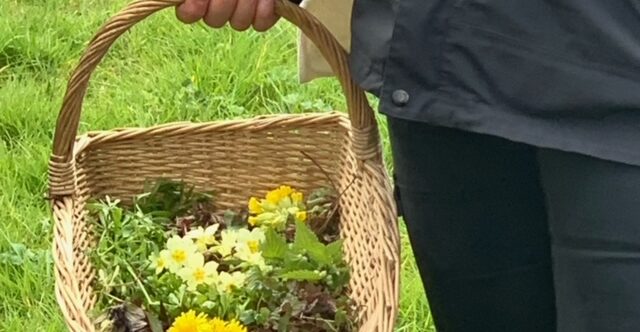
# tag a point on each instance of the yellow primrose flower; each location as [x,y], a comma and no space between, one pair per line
[180,250]
[280,205]
[204,237]
[196,272]
[227,243]
[227,282]
[273,219]
[301,215]
[160,262]
[235,326]
[254,206]
[275,196]
[251,255]
[297,198]
[190,322]
[252,238]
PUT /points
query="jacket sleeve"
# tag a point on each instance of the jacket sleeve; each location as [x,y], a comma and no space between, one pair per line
[336,16]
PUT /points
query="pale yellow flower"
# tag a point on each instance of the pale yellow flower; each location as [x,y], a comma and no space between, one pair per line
[242,243]
[228,242]
[180,250]
[227,282]
[253,238]
[160,262]
[190,322]
[196,272]
[204,237]
[251,256]
[248,246]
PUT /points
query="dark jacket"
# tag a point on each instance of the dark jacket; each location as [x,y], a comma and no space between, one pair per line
[561,74]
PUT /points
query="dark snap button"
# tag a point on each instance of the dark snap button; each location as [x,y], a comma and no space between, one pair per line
[400,97]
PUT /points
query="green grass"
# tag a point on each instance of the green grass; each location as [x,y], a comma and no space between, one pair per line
[162,71]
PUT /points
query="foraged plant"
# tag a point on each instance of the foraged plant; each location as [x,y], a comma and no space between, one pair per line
[172,262]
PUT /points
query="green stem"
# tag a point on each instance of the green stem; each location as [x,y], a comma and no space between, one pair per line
[144,290]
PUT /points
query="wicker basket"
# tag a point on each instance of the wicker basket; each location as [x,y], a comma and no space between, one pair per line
[236,159]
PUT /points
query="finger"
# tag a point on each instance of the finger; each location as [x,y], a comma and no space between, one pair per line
[191,10]
[219,12]
[265,15]
[243,15]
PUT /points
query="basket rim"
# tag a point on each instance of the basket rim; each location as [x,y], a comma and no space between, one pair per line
[178,128]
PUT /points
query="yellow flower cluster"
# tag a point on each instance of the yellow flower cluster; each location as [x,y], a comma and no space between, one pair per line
[277,208]
[192,322]
[185,256]
[243,245]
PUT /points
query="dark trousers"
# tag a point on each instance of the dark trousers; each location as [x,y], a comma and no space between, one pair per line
[510,237]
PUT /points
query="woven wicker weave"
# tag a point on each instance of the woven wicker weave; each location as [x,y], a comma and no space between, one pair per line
[235,159]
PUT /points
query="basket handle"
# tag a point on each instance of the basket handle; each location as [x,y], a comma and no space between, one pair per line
[365,136]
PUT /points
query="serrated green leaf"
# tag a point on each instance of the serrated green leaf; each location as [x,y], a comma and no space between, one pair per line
[319,254]
[274,246]
[304,236]
[293,262]
[302,275]
[334,250]
[307,242]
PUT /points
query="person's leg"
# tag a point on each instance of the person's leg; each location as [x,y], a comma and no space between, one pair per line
[594,216]
[476,218]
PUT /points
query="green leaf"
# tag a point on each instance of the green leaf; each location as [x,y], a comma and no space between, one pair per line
[302,275]
[263,316]
[274,246]
[293,262]
[306,241]
[173,299]
[116,215]
[334,250]
[284,321]
[19,254]
[342,318]
[304,236]
[248,317]
[209,305]
[154,323]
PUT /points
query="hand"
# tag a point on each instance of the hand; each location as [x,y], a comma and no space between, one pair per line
[241,14]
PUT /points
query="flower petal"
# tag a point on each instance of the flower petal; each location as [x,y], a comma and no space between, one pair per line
[254,206]
[211,267]
[211,230]
[195,260]
[173,242]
